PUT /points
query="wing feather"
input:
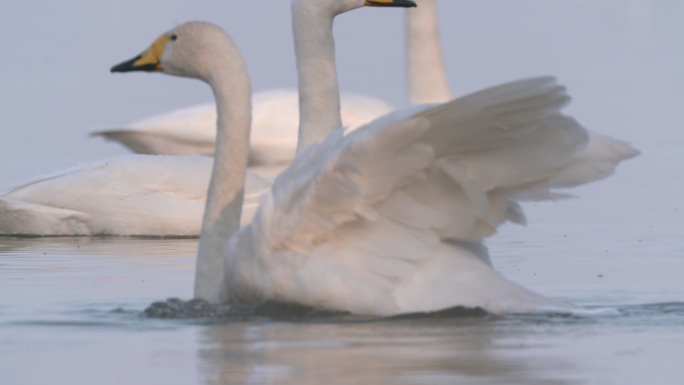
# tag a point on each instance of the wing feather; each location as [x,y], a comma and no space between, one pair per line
[373,221]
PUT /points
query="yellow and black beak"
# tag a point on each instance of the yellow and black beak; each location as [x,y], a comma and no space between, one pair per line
[149,60]
[390,3]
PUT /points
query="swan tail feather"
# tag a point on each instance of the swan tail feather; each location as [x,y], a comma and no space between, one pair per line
[25,218]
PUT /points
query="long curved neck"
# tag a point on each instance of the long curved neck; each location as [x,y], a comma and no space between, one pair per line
[319,95]
[427,77]
[232,91]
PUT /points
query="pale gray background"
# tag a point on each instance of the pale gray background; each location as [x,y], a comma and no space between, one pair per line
[621,60]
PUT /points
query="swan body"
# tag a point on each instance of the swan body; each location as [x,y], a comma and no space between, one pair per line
[191,131]
[383,220]
[391,218]
[137,195]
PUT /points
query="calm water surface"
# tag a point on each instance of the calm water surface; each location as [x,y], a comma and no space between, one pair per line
[71,308]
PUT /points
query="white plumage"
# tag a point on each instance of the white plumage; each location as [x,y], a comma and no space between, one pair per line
[390,218]
[137,195]
[386,219]
[192,131]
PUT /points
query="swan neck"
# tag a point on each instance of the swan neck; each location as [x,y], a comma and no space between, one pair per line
[427,77]
[319,96]
[225,197]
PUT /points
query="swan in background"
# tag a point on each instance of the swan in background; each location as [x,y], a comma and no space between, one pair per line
[140,195]
[387,219]
[134,195]
[157,196]
[275,121]
[192,130]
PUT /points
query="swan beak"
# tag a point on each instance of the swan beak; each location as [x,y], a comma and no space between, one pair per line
[390,3]
[149,60]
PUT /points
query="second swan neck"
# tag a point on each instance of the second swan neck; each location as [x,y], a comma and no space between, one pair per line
[319,96]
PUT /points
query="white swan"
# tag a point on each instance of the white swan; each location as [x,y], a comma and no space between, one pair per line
[135,195]
[144,195]
[138,195]
[387,219]
[192,130]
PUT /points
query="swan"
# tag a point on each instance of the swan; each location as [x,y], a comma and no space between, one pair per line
[384,220]
[134,195]
[143,195]
[139,195]
[192,130]
[275,117]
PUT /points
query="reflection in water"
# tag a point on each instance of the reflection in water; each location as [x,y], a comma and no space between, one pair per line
[448,351]
[98,246]
[57,297]
[523,349]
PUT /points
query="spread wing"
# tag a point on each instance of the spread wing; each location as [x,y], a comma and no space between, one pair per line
[356,219]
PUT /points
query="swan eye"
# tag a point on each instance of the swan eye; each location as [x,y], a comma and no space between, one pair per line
[174,37]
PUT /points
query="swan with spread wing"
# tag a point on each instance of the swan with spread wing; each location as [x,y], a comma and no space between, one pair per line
[387,219]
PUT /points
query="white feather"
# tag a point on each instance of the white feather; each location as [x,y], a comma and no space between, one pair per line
[312,241]
[275,119]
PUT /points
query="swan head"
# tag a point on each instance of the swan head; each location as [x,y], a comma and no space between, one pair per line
[195,49]
[341,6]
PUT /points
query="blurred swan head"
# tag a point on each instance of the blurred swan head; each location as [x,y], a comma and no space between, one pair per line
[190,50]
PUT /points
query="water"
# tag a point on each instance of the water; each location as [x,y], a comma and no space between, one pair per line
[70,308]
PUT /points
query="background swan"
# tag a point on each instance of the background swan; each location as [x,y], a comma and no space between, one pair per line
[136,195]
[147,195]
[192,130]
[387,219]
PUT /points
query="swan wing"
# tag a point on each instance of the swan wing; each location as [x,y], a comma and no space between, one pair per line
[383,218]
[597,161]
